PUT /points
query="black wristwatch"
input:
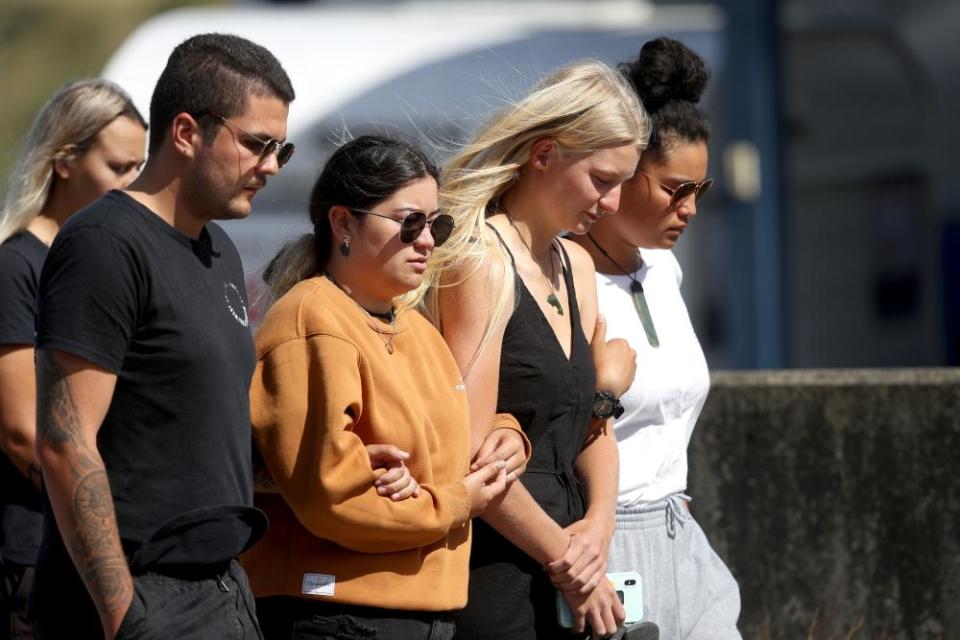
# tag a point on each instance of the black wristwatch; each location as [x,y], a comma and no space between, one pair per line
[605,404]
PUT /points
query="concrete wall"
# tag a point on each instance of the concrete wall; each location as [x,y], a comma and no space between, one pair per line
[834,496]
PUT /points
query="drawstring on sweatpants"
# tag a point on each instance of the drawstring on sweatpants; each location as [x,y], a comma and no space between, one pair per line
[676,512]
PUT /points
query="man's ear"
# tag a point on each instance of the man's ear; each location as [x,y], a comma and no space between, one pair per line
[185,134]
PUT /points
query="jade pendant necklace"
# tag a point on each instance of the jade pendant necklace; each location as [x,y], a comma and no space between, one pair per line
[552,298]
[636,292]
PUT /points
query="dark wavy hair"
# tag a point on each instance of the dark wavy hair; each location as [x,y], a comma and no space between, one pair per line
[360,174]
[670,79]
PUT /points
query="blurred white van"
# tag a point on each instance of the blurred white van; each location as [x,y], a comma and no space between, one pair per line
[425,71]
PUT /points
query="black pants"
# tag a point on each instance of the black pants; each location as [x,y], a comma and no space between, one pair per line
[200,605]
[287,618]
[510,601]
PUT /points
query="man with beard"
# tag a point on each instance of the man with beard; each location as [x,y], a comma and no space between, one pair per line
[144,358]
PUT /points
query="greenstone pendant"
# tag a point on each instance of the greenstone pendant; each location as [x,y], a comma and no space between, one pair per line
[555,303]
[640,304]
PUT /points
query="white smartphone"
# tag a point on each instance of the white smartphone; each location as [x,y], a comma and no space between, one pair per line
[629,588]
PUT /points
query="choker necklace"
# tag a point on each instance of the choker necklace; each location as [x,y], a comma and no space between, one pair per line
[636,292]
[389,316]
[552,299]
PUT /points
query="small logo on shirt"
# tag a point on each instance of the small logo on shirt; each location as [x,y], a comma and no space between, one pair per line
[460,386]
[318,584]
[235,304]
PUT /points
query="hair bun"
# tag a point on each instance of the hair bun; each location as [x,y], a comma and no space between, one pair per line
[667,70]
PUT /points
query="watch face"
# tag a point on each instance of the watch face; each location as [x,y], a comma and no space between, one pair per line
[602,407]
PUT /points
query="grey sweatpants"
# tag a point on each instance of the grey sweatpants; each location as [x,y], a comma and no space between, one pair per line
[687,590]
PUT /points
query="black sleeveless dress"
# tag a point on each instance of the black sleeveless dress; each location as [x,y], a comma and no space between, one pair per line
[552,398]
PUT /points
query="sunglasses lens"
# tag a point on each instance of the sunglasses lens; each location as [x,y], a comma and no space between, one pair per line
[284,154]
[441,228]
[704,187]
[683,192]
[412,226]
[269,147]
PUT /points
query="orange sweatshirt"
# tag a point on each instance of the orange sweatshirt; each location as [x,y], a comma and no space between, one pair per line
[324,387]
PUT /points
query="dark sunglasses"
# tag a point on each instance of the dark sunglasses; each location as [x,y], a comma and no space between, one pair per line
[683,191]
[411,225]
[263,148]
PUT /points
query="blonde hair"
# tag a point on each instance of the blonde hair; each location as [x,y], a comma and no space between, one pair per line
[66,126]
[584,106]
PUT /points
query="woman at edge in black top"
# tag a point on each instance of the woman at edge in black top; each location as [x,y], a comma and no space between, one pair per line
[88,138]
[515,304]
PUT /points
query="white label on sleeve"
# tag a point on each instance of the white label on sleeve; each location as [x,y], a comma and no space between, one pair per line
[318,584]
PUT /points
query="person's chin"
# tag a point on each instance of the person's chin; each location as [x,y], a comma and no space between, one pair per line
[581,227]
[237,209]
[669,240]
[412,281]
[401,282]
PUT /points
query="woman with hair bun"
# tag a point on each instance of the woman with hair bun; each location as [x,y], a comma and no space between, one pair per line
[688,591]
[87,139]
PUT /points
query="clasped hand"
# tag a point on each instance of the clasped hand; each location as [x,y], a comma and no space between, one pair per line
[394,481]
[580,576]
[392,477]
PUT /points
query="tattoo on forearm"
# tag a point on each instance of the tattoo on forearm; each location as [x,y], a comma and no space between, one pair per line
[107,582]
[93,511]
[92,501]
[82,490]
[57,416]
[95,544]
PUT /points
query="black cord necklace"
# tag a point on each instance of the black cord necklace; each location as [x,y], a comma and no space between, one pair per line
[389,316]
[636,292]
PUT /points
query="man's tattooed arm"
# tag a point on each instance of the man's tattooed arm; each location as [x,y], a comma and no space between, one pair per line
[72,400]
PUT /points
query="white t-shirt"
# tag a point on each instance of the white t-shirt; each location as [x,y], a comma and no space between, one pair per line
[671,385]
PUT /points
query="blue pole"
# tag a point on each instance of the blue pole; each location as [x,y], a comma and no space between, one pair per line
[752,75]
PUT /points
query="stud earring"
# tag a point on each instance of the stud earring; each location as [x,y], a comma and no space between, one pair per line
[345,247]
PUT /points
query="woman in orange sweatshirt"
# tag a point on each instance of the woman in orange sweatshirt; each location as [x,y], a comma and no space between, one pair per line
[340,367]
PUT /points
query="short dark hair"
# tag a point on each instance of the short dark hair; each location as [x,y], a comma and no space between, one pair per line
[669,79]
[214,73]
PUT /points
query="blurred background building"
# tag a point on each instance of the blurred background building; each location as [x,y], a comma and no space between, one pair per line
[832,238]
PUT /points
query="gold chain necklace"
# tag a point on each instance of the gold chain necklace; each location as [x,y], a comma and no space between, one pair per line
[552,298]
[391,316]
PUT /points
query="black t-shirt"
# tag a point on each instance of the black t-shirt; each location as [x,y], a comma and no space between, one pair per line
[21,258]
[124,290]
